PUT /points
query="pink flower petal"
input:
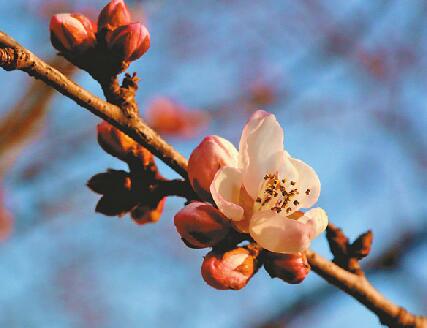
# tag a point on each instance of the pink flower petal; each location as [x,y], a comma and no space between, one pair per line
[260,151]
[318,218]
[308,184]
[252,124]
[225,189]
[280,234]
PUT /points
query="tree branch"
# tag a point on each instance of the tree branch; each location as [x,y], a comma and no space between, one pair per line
[389,313]
[14,57]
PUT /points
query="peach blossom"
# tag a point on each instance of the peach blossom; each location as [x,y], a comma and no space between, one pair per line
[264,190]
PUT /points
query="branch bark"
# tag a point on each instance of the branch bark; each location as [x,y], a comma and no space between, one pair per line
[389,313]
[15,57]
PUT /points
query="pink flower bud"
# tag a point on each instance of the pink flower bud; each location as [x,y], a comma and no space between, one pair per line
[113,15]
[206,159]
[129,42]
[291,268]
[201,225]
[229,270]
[71,32]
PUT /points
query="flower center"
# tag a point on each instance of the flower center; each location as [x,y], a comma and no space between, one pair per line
[277,195]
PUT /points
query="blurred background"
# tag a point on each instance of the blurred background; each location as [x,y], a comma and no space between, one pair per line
[347,81]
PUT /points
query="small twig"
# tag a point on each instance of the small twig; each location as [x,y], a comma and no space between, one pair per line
[13,56]
[347,255]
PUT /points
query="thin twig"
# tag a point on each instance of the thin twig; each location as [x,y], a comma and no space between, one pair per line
[15,57]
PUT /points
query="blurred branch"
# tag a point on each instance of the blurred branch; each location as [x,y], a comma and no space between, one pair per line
[15,57]
[25,119]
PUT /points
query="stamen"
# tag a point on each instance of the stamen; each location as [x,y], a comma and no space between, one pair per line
[276,195]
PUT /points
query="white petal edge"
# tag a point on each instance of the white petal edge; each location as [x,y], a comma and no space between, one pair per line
[225,190]
[260,147]
[307,180]
[318,218]
[251,125]
[280,234]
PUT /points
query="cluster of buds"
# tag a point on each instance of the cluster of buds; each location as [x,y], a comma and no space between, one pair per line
[121,191]
[114,35]
[228,265]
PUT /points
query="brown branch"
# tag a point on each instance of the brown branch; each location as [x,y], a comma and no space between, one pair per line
[390,259]
[357,286]
[15,57]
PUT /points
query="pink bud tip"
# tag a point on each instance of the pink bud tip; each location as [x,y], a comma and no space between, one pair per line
[229,270]
[291,268]
[206,159]
[129,42]
[113,15]
[201,225]
[71,32]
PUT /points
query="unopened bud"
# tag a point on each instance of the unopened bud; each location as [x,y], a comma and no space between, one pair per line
[201,225]
[291,268]
[110,182]
[361,247]
[119,145]
[129,42]
[113,15]
[144,214]
[116,203]
[229,270]
[206,159]
[71,32]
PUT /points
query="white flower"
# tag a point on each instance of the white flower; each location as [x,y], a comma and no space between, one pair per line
[264,190]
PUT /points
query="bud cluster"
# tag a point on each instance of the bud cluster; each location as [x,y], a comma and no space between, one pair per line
[115,36]
[201,225]
[121,191]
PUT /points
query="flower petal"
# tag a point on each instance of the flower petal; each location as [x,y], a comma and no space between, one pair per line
[318,218]
[252,124]
[308,184]
[261,152]
[280,234]
[278,164]
[225,189]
